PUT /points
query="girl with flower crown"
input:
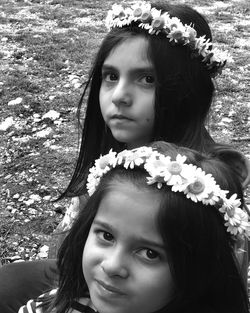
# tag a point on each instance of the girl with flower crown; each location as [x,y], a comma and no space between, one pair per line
[155,236]
[152,79]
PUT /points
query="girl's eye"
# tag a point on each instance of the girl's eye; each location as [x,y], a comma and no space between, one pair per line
[149,254]
[109,77]
[107,236]
[149,79]
[104,235]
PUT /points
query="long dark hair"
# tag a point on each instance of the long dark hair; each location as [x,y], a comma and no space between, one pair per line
[184,93]
[201,251]
[199,248]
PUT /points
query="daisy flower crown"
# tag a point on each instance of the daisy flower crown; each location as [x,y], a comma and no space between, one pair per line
[180,177]
[156,22]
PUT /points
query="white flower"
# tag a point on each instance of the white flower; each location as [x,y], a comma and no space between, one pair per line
[134,159]
[202,188]
[174,23]
[117,9]
[140,6]
[156,164]
[236,219]
[212,197]
[155,13]
[112,15]
[229,205]
[158,180]
[145,151]
[177,31]
[220,56]
[120,156]
[176,172]
[238,224]
[191,33]
[103,164]
[202,45]
[92,183]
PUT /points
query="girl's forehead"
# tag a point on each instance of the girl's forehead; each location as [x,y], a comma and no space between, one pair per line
[127,202]
[134,50]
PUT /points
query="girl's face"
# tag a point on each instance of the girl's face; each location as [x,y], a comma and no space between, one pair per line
[127,93]
[124,261]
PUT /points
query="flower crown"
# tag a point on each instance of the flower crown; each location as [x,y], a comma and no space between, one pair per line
[181,177]
[154,22]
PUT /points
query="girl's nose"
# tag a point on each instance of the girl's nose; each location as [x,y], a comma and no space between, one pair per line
[115,265]
[122,94]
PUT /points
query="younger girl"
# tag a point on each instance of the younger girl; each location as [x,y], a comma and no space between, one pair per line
[156,235]
[152,79]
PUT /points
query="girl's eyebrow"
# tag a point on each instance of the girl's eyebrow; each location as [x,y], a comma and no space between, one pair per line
[103,224]
[139,69]
[151,243]
[143,241]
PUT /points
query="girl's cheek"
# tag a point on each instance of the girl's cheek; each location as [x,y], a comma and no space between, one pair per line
[89,242]
[89,260]
[92,250]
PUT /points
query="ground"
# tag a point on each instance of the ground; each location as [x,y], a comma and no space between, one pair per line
[47,47]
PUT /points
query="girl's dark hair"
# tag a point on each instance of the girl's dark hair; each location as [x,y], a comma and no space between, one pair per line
[201,251]
[184,94]
[199,248]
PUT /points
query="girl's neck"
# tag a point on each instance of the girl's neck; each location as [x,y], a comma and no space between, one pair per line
[135,145]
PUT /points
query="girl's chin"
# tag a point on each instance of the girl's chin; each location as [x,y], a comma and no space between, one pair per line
[127,141]
[105,302]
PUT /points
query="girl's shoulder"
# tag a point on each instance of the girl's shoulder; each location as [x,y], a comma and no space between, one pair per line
[34,306]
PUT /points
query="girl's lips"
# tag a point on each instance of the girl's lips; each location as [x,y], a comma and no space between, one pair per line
[110,288]
[120,117]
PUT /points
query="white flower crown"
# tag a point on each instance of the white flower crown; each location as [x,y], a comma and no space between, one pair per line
[187,178]
[152,20]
